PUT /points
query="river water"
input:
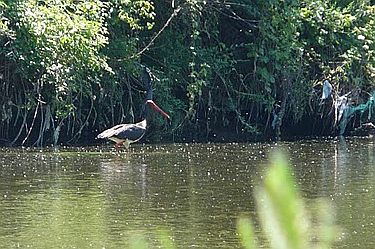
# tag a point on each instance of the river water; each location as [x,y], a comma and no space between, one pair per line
[96,198]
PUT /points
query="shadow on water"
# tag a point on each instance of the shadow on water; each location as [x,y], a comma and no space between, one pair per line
[93,197]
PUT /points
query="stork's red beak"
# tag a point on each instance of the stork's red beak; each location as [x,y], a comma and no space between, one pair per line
[158,109]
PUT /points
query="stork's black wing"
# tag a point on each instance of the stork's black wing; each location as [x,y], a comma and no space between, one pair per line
[132,132]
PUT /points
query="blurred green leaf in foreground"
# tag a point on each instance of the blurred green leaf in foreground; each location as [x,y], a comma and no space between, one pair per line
[285,221]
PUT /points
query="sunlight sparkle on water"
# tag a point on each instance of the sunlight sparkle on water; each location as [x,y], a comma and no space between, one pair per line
[94,196]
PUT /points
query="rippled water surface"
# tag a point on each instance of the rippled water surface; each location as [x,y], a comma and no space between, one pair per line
[95,198]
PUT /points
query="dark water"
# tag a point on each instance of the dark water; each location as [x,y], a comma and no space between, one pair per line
[95,198]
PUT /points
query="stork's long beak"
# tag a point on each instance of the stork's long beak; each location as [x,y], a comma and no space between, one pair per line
[158,109]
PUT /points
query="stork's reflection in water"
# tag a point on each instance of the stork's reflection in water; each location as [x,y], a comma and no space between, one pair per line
[124,173]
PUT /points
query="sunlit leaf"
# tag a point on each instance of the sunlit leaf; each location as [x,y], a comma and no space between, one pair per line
[281,210]
[246,233]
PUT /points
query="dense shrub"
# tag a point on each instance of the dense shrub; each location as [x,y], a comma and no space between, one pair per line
[227,70]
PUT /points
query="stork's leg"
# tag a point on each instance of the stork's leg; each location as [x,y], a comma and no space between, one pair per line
[127,144]
[117,146]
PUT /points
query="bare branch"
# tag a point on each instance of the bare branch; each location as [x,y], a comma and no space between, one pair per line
[175,12]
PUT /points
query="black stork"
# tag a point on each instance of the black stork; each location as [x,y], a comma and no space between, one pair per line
[125,134]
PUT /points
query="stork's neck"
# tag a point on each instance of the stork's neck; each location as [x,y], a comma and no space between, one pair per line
[145,113]
[142,124]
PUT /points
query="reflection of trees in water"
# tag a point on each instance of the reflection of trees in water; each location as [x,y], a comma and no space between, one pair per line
[28,181]
[344,163]
[342,171]
[193,191]
[341,157]
[327,167]
[127,210]
[354,175]
[51,198]
[353,161]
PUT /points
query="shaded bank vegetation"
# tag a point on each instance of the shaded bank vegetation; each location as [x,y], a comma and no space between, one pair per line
[226,69]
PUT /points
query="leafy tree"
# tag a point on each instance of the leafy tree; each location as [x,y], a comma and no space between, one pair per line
[56,52]
[241,69]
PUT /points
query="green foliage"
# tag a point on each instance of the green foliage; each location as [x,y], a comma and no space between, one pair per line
[284,218]
[223,66]
[138,14]
[4,22]
[246,233]
[61,34]
[56,50]
[340,40]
